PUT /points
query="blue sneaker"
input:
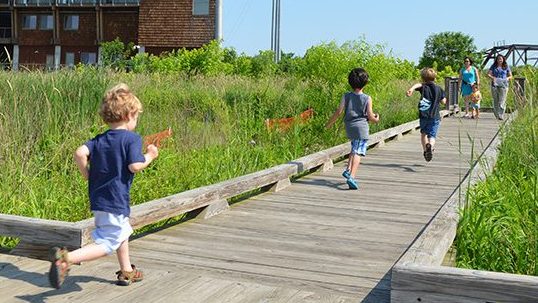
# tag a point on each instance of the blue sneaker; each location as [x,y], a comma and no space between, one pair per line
[346,174]
[352,183]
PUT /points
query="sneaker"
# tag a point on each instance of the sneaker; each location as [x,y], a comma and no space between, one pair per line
[125,278]
[352,183]
[346,174]
[428,155]
[59,267]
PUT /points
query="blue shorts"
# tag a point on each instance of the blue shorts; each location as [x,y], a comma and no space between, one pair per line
[474,105]
[110,230]
[359,146]
[429,126]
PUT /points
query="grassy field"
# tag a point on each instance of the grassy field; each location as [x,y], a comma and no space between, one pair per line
[218,125]
[498,229]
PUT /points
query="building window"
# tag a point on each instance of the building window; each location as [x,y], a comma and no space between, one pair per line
[88,58]
[69,59]
[29,22]
[46,22]
[50,62]
[71,23]
[200,7]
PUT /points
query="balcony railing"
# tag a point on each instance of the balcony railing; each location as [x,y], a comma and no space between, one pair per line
[34,2]
[76,2]
[120,2]
[72,2]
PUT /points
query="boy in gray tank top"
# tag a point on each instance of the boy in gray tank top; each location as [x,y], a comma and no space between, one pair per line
[358,112]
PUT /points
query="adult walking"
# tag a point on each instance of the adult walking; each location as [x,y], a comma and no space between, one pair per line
[468,76]
[500,74]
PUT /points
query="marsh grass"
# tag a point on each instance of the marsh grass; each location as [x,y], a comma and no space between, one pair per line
[218,125]
[498,228]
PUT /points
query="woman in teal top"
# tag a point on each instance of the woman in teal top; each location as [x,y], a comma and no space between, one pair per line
[468,77]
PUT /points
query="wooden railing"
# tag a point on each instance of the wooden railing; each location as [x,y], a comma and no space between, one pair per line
[419,277]
[40,232]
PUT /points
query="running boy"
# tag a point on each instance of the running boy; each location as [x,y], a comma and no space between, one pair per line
[115,156]
[476,96]
[358,111]
[428,107]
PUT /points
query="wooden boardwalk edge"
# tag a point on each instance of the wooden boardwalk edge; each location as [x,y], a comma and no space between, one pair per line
[418,274]
[42,232]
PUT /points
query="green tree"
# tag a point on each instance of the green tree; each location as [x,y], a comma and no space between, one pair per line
[448,49]
[116,54]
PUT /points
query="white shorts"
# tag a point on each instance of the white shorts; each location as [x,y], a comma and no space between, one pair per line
[110,230]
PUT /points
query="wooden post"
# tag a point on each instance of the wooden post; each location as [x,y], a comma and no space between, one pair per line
[280,185]
[327,165]
[214,209]
[452,92]
[519,90]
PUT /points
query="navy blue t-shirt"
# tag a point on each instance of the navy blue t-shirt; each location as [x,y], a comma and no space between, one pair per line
[433,93]
[110,178]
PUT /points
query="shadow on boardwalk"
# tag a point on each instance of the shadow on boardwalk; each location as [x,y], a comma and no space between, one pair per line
[72,285]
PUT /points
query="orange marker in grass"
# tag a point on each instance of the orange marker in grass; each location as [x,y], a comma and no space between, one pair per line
[156,138]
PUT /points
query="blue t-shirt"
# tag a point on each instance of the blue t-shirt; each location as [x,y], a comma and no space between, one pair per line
[110,178]
[499,72]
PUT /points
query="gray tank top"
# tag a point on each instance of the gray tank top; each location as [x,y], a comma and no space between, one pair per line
[356,118]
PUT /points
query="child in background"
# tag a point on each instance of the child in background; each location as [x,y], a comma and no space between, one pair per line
[476,96]
[358,112]
[431,96]
[109,162]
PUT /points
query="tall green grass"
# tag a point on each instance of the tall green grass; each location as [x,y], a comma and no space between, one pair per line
[218,124]
[498,229]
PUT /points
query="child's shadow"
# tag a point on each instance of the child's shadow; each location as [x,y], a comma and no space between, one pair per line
[324,183]
[71,284]
[406,168]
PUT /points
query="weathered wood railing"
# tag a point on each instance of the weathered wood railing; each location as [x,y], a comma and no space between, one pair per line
[36,234]
[419,277]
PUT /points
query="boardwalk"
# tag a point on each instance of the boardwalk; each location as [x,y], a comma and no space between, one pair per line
[315,241]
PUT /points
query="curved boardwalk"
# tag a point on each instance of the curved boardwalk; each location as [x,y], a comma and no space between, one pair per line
[315,241]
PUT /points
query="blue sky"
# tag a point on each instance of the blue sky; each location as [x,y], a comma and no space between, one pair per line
[401,26]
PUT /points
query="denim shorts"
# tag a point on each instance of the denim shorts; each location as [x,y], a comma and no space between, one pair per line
[474,105]
[359,146]
[110,230]
[429,126]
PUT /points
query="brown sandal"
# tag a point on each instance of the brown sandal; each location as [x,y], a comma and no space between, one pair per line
[59,267]
[125,278]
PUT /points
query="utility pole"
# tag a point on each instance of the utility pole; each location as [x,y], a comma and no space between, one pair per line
[275,30]
[218,20]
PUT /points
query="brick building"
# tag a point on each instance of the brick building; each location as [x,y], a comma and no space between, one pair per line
[54,33]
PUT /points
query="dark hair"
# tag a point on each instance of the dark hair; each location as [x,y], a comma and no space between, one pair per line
[504,64]
[470,60]
[357,78]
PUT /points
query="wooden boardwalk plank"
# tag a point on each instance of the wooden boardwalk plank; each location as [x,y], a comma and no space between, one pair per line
[314,241]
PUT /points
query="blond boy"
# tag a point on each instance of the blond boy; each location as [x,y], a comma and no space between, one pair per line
[115,156]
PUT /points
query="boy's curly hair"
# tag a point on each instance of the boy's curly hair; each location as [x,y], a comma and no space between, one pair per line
[428,74]
[118,103]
